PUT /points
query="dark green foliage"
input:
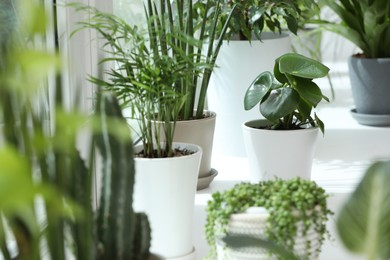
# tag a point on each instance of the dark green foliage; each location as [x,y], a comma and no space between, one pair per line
[251,17]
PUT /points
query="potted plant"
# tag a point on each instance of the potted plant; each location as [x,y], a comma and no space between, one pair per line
[291,213]
[366,24]
[256,36]
[47,208]
[289,131]
[367,235]
[176,33]
[151,77]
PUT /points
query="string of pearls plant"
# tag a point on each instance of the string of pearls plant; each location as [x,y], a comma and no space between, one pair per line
[287,201]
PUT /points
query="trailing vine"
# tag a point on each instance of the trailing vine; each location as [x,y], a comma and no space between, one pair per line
[287,201]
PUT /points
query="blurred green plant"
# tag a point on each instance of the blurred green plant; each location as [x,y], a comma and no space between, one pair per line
[363,223]
[46,187]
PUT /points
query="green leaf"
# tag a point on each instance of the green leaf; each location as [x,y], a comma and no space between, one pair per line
[278,75]
[258,89]
[304,109]
[279,103]
[363,223]
[301,66]
[320,124]
[308,90]
[292,24]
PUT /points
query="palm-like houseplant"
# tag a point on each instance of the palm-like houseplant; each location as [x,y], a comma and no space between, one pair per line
[148,78]
[156,75]
[286,98]
[367,25]
[177,50]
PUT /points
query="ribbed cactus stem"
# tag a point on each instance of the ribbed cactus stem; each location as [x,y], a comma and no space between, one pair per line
[117,223]
[142,235]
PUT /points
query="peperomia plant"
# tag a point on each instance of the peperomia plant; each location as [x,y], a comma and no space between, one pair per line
[287,201]
[288,96]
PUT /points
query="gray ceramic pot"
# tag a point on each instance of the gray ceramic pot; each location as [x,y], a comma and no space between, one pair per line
[370,82]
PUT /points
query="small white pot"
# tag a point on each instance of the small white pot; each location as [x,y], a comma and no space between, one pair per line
[279,153]
[165,190]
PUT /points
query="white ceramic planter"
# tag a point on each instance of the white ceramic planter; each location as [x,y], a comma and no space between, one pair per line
[253,223]
[239,62]
[165,190]
[279,153]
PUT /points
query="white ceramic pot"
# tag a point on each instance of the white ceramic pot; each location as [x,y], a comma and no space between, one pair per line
[239,62]
[165,190]
[253,223]
[279,153]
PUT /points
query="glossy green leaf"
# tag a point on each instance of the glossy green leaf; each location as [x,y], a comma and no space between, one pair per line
[304,109]
[278,75]
[279,103]
[308,90]
[301,66]
[258,89]
[363,223]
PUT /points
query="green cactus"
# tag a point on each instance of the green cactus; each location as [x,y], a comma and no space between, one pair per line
[122,234]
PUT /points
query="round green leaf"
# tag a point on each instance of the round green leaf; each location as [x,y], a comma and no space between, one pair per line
[301,66]
[258,89]
[308,90]
[280,103]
